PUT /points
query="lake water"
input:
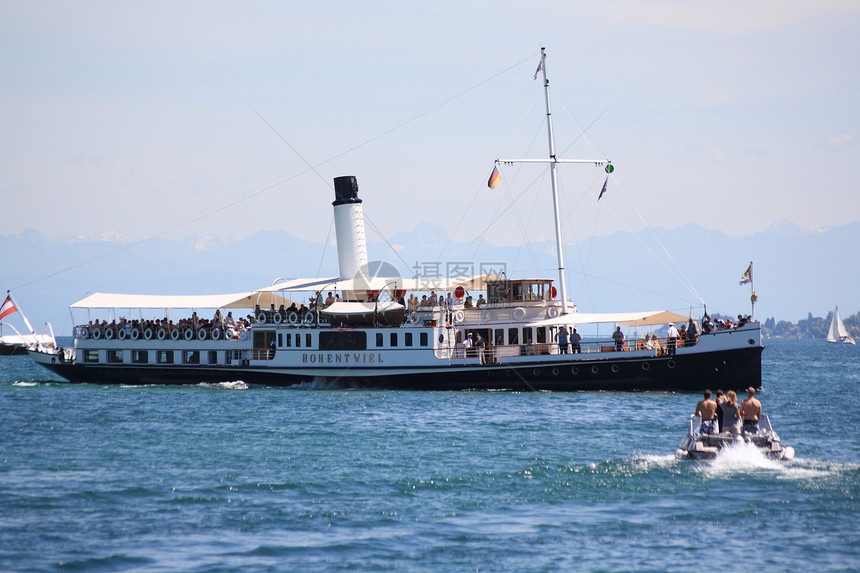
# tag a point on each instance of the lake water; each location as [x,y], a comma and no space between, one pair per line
[231,478]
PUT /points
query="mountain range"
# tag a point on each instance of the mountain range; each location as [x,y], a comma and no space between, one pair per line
[795,271]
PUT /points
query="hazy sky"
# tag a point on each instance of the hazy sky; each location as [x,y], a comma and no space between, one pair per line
[175,118]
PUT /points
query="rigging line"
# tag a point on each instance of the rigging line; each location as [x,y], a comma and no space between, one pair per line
[647,248]
[508,186]
[397,125]
[683,278]
[475,195]
[688,284]
[325,246]
[294,150]
[164,231]
[390,246]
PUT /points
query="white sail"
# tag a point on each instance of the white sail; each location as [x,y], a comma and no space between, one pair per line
[838,332]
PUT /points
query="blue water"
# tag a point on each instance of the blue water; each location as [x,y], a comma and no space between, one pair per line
[232,478]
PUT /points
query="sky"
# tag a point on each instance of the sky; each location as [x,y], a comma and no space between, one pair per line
[145,119]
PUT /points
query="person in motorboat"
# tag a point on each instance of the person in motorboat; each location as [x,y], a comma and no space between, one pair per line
[706,409]
[673,335]
[575,341]
[731,414]
[719,398]
[750,412]
[618,337]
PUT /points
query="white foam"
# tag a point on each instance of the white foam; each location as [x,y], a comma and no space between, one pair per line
[25,384]
[232,385]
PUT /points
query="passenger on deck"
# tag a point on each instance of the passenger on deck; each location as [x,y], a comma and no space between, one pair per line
[434,299]
[293,307]
[481,301]
[707,325]
[467,345]
[562,340]
[672,338]
[618,337]
[731,414]
[424,301]
[480,346]
[468,303]
[229,320]
[750,412]
[575,340]
[707,409]
[329,300]
[649,342]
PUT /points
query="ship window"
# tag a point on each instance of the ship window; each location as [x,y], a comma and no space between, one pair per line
[518,291]
[280,340]
[91,355]
[289,340]
[528,337]
[407,339]
[298,340]
[393,339]
[213,357]
[191,357]
[343,340]
[512,336]
[541,335]
[499,337]
[114,356]
[379,340]
[308,340]
[165,357]
[140,356]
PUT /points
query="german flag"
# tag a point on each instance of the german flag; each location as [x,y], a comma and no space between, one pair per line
[494,178]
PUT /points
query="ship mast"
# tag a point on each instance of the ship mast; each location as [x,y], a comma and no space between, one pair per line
[553,167]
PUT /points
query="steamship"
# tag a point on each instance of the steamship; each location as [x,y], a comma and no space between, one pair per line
[371,337]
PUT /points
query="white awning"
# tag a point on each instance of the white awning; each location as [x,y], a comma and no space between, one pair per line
[472,282]
[645,318]
[149,301]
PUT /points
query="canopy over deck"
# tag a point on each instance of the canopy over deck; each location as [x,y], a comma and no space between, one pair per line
[151,301]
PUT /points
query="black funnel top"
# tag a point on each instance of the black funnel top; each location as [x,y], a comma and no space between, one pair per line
[345,190]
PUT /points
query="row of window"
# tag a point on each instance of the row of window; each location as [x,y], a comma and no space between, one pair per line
[161,356]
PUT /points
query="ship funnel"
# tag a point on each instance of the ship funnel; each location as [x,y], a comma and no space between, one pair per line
[349,227]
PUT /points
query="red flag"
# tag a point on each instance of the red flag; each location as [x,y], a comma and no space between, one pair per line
[7,308]
[494,178]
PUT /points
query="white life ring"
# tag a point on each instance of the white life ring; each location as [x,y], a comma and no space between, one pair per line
[459,316]
[293,317]
[485,315]
[82,332]
[147,334]
[519,313]
[120,334]
[413,317]
[229,334]
[216,333]
[277,319]
[201,334]
[552,312]
[109,333]
[162,334]
[243,335]
[174,334]
[309,318]
[189,333]
[261,317]
[135,333]
[97,333]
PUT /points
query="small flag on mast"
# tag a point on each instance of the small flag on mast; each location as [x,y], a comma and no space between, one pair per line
[7,308]
[602,191]
[537,71]
[747,276]
[494,178]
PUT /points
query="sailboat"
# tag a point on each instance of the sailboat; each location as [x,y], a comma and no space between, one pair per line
[838,332]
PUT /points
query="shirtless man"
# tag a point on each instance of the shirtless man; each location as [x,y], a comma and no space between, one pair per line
[707,409]
[750,412]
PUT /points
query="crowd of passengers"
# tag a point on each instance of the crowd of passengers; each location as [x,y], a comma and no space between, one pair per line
[230,326]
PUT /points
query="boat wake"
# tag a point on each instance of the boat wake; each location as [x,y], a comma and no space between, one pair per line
[232,385]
